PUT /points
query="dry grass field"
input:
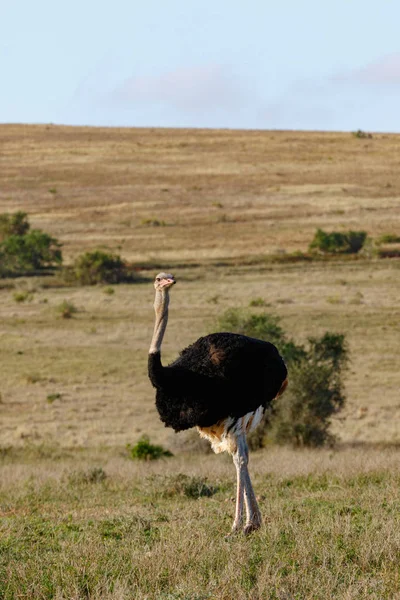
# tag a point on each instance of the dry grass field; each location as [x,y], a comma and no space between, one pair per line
[218,208]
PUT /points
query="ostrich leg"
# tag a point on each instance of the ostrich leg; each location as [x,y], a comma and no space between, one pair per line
[253,515]
[238,461]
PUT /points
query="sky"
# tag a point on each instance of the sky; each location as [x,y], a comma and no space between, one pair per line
[254,64]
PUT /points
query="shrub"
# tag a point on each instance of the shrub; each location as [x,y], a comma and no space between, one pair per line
[32,251]
[361,134]
[349,242]
[144,450]
[262,326]
[23,249]
[302,415]
[98,267]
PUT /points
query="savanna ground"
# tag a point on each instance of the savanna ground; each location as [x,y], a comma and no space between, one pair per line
[81,520]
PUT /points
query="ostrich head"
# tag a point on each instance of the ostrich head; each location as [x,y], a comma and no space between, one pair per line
[163,281]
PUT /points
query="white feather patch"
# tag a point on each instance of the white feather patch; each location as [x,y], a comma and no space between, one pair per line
[223,435]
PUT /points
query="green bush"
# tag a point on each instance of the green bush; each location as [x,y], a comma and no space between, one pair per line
[144,450]
[262,326]
[348,242]
[23,250]
[99,267]
[32,251]
[301,416]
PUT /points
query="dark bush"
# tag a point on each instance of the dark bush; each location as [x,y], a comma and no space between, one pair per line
[348,242]
[301,416]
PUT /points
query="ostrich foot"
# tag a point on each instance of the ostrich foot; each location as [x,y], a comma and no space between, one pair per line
[252,526]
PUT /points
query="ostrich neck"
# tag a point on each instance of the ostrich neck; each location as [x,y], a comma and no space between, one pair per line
[161,303]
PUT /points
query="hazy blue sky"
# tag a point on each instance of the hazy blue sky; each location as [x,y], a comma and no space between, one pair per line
[298,64]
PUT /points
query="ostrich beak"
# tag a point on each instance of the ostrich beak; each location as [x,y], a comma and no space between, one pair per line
[168,281]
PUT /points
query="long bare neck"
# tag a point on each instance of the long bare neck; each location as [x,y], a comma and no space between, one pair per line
[161,303]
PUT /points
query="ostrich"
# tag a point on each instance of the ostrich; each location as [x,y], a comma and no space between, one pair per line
[222,385]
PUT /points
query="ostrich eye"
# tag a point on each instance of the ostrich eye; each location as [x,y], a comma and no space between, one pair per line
[158,279]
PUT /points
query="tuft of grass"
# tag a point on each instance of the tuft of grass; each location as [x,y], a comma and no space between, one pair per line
[24,296]
[52,397]
[145,450]
[88,476]
[153,222]
[66,309]
[255,302]
[189,486]
[388,238]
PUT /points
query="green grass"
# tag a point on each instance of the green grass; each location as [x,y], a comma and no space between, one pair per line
[106,533]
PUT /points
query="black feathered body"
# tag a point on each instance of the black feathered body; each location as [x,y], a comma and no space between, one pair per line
[221,375]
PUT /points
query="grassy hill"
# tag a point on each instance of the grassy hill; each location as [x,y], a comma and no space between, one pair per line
[216,207]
